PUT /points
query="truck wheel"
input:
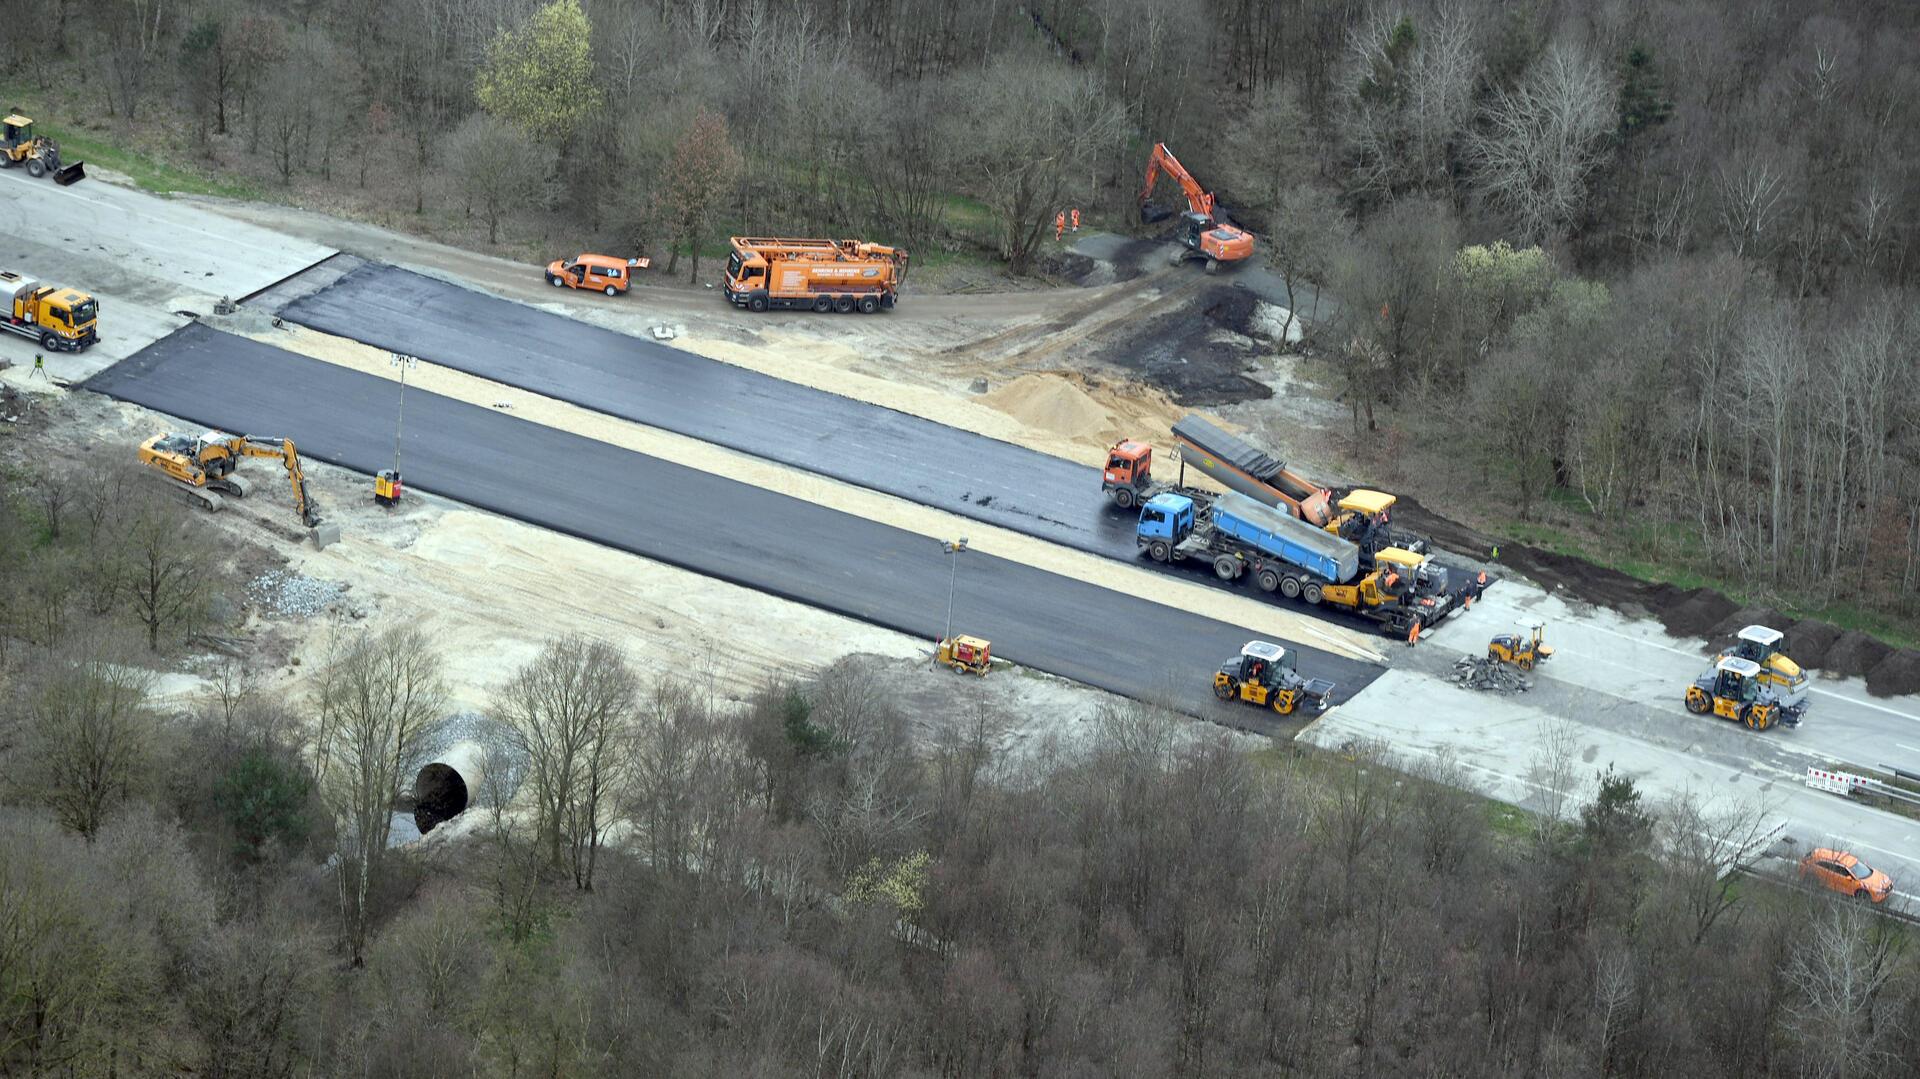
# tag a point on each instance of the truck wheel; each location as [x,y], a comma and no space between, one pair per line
[868,305]
[758,303]
[1290,587]
[611,291]
[1226,567]
[1311,593]
[843,304]
[49,342]
[36,168]
[1159,551]
[1267,580]
[1123,497]
[823,305]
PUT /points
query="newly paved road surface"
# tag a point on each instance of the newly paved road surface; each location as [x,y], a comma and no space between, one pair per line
[853,441]
[664,511]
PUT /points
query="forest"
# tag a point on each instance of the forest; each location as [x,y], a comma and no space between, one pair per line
[656,880]
[1633,278]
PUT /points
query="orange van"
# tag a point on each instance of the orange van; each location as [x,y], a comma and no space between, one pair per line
[599,273]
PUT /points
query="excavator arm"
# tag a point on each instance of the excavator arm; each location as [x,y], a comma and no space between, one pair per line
[1199,200]
[283,448]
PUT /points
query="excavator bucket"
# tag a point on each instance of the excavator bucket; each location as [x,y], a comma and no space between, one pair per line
[68,175]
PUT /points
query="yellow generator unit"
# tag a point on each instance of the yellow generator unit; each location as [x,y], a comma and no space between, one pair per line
[967,655]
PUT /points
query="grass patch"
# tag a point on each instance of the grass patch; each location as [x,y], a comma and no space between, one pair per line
[1893,629]
[147,172]
[1509,822]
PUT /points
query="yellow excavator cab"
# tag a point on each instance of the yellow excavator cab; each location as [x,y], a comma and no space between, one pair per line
[1767,647]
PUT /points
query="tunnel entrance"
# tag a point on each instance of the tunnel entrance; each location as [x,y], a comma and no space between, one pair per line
[439,795]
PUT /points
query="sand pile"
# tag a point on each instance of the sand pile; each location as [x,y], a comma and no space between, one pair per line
[1054,404]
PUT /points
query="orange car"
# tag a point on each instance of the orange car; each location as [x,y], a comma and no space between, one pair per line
[1846,874]
[601,273]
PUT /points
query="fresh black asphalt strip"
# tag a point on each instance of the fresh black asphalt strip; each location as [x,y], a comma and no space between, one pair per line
[852,441]
[699,521]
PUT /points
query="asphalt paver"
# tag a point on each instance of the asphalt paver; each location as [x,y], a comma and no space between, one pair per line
[737,532]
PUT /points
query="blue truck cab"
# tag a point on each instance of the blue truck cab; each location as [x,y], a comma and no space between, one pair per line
[1164,518]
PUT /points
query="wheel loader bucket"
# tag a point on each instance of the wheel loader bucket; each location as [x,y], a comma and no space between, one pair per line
[68,175]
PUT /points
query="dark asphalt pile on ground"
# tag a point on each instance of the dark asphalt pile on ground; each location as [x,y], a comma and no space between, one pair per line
[1191,358]
[684,517]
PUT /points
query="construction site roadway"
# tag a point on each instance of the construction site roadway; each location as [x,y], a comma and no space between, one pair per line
[853,441]
[702,522]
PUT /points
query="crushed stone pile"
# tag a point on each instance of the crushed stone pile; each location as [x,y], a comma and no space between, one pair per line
[290,595]
[1488,674]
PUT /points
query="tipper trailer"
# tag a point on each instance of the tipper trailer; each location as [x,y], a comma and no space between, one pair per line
[1404,592]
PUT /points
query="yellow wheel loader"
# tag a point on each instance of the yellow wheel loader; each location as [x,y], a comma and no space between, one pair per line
[1267,675]
[203,466]
[38,153]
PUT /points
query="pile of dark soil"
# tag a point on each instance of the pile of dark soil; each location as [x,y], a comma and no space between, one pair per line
[1854,653]
[1895,675]
[1729,628]
[1135,257]
[1809,640]
[1067,266]
[1180,354]
[1697,613]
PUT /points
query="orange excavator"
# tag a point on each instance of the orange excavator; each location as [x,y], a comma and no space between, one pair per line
[1204,237]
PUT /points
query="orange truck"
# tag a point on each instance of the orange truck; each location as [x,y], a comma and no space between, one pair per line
[814,275]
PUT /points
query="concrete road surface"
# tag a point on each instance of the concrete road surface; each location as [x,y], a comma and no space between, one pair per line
[856,442]
[750,536]
[1620,683]
[146,258]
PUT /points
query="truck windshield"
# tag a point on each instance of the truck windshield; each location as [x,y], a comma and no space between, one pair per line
[83,313]
[733,266]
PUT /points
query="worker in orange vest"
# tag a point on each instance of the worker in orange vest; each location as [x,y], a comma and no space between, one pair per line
[1059,224]
[1076,219]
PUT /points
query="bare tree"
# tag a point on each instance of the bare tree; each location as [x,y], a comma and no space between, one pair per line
[571,711]
[1554,775]
[1409,90]
[1029,130]
[1543,138]
[1844,960]
[381,702]
[166,571]
[90,731]
[1705,846]
[495,181]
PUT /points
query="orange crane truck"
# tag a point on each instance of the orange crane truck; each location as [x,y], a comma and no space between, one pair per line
[1205,236]
[814,275]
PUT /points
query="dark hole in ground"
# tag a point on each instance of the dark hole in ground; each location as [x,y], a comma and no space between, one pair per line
[439,795]
[184,313]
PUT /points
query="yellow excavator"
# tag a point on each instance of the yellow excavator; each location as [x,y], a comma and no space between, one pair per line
[203,466]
